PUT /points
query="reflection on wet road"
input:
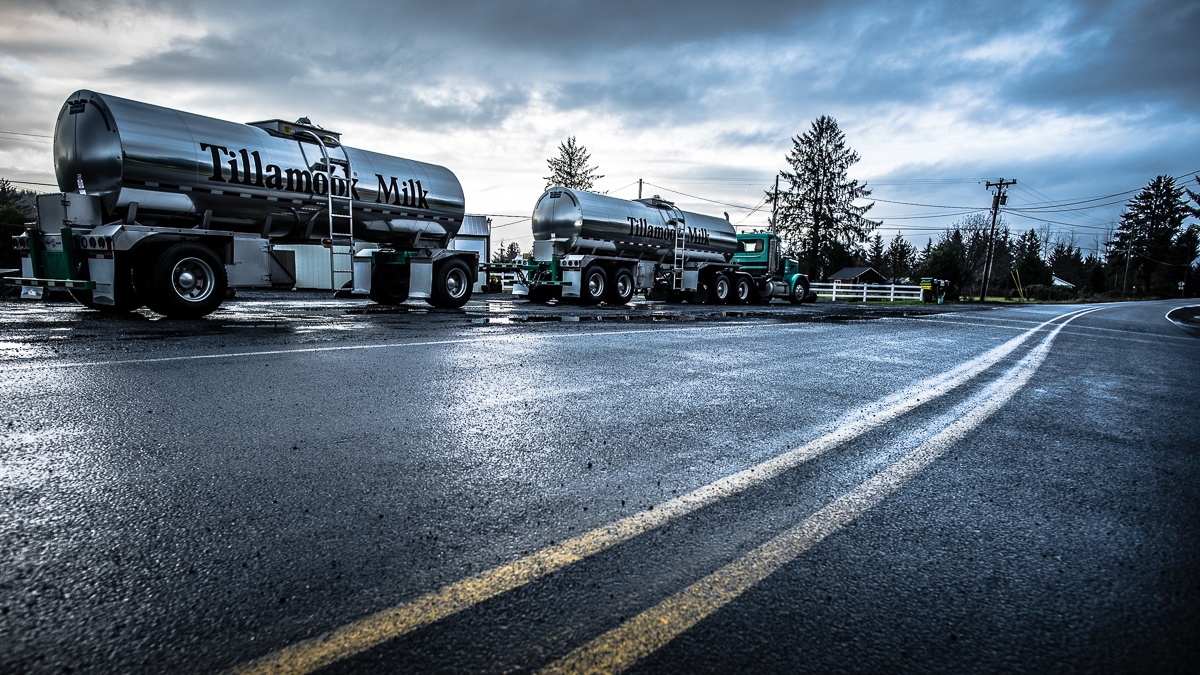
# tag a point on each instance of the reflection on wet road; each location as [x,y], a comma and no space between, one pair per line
[295,485]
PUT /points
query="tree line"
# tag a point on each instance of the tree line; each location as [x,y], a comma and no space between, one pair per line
[1149,252]
[14,213]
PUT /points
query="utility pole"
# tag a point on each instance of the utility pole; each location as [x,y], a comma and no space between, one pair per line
[998,199]
[639,188]
[775,205]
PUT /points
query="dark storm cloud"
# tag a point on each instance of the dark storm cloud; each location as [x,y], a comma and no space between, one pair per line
[1137,54]
[391,80]
[728,79]
[672,63]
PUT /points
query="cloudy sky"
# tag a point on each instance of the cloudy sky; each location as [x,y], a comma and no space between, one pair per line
[1074,100]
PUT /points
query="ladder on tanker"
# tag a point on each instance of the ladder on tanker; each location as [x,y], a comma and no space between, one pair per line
[680,254]
[341,215]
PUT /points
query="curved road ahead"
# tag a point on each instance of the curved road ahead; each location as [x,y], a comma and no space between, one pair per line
[285,488]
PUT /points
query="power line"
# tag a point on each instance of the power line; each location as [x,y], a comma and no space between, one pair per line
[703,199]
[20,133]
[624,186]
[1056,222]
[496,227]
[929,206]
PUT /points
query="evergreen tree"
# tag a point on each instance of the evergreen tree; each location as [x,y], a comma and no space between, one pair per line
[1066,263]
[1027,259]
[901,257]
[1151,233]
[570,169]
[13,216]
[959,256]
[816,211]
[877,255]
[1096,280]
[1195,199]
[11,196]
[512,253]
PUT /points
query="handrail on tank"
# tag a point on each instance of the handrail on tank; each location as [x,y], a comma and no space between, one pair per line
[327,167]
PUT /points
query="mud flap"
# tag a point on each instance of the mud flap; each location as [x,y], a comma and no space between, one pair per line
[103,271]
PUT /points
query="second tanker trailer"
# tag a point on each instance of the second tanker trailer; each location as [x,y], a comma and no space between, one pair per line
[168,209]
[594,248]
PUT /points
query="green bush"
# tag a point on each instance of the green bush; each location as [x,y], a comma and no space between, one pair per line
[1048,293]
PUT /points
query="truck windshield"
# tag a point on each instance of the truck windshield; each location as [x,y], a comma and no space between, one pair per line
[752,246]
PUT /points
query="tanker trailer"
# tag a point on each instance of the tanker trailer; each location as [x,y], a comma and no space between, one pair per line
[596,248]
[168,209]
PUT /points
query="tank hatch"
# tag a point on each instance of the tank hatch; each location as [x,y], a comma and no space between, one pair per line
[656,202]
[293,129]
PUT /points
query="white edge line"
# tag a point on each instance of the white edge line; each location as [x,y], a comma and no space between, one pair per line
[1167,316]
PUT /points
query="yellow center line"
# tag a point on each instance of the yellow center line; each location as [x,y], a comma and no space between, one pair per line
[619,649]
[358,636]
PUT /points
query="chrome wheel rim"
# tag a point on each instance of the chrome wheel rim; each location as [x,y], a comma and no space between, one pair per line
[595,285]
[192,279]
[456,283]
[722,289]
[624,286]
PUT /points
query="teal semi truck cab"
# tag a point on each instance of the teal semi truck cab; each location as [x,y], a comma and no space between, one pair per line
[774,276]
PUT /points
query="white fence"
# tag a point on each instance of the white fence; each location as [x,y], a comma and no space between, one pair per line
[863,292]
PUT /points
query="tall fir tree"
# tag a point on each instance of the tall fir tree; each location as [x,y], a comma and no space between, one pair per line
[876,255]
[1151,233]
[901,257]
[816,214]
[571,169]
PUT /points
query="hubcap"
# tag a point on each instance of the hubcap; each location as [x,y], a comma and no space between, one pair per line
[722,289]
[624,286]
[192,279]
[596,285]
[456,283]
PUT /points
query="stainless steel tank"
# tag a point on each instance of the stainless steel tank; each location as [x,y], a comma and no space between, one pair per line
[265,177]
[645,229]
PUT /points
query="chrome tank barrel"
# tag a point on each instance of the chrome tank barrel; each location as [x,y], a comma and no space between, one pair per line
[265,177]
[642,229]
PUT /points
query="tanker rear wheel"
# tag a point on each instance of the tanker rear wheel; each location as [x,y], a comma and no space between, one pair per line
[182,281]
[389,284]
[595,285]
[743,290]
[721,289]
[451,284]
[620,291]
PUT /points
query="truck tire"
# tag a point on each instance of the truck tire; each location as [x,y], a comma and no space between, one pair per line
[721,289]
[743,290]
[798,292]
[595,285]
[389,284]
[182,281]
[620,291]
[127,299]
[451,284]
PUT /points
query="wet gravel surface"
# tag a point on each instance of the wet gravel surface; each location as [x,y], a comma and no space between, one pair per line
[188,496]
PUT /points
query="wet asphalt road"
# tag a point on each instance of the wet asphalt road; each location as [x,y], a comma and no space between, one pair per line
[192,496]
